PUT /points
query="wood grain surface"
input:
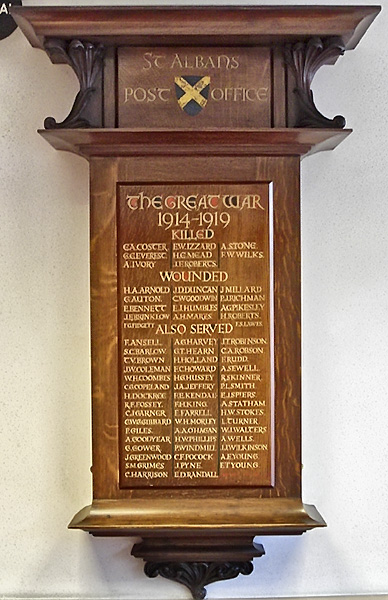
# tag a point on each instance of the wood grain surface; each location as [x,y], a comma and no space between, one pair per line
[249,25]
[284,175]
[195,270]
[197,103]
[236,89]
[231,143]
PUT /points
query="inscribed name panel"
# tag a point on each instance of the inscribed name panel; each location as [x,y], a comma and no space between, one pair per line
[195,334]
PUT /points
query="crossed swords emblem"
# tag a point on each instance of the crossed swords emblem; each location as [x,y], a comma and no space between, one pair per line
[192,92]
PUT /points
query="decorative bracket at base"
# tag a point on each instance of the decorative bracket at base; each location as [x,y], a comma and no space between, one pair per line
[196,575]
[197,561]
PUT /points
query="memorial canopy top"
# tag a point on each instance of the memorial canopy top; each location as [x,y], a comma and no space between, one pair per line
[144,69]
[250,25]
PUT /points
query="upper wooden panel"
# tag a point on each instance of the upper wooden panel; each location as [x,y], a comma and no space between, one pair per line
[133,26]
[170,87]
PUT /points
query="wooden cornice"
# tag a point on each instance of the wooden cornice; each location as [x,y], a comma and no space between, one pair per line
[249,25]
[127,142]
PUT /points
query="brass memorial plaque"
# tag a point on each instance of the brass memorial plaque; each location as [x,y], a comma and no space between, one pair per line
[195,314]
[191,88]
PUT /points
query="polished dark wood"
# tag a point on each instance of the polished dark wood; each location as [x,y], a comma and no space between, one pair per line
[196,575]
[172,518]
[194,548]
[304,60]
[86,60]
[270,35]
[137,142]
[216,400]
[229,70]
[241,508]
[279,93]
[195,26]
[200,533]
[110,88]
[284,173]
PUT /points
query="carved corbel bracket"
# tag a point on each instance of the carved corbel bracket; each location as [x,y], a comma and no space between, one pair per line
[86,60]
[304,59]
[196,575]
[197,561]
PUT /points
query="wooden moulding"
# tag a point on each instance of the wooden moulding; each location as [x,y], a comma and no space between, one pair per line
[123,142]
[257,25]
[181,517]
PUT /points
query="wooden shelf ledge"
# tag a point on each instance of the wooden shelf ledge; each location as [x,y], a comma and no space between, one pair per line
[191,25]
[275,516]
[130,142]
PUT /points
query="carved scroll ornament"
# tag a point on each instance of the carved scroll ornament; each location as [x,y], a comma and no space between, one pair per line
[304,59]
[86,59]
[195,575]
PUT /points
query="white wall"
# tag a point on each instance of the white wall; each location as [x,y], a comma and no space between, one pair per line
[44,401]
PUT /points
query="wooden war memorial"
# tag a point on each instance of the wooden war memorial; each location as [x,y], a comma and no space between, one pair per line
[194,122]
